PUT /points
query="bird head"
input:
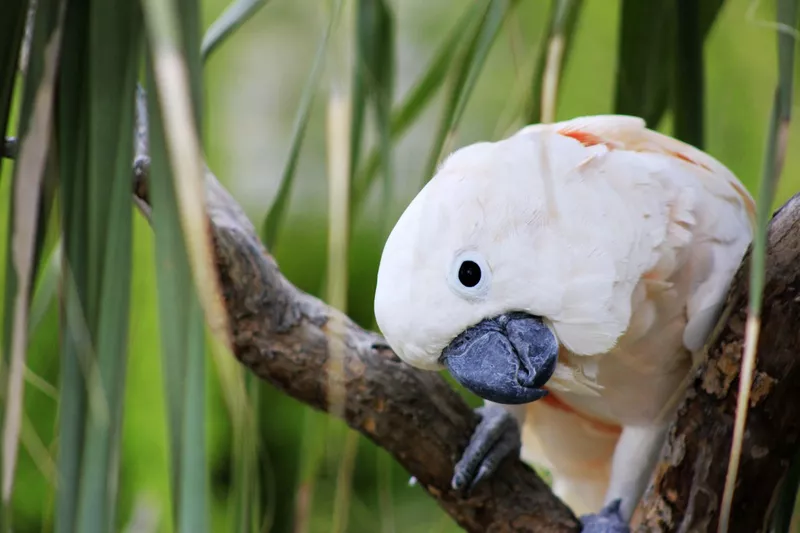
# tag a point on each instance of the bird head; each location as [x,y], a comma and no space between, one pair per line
[500,260]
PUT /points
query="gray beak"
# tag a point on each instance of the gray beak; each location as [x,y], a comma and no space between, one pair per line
[505,359]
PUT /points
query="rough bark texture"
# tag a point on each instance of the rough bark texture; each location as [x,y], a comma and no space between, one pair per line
[689,480]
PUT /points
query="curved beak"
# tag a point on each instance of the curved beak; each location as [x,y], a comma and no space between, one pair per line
[505,359]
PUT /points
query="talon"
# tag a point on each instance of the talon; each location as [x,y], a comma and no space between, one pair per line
[496,436]
[608,520]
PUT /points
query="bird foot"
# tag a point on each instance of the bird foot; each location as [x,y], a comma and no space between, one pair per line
[496,436]
[608,520]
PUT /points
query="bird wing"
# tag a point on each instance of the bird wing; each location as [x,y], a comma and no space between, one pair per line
[711,217]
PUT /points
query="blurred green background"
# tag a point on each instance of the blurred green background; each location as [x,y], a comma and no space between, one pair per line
[253,85]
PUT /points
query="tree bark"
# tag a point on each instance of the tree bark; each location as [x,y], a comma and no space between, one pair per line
[291,339]
[689,479]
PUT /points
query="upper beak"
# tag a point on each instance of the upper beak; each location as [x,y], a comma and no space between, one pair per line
[505,359]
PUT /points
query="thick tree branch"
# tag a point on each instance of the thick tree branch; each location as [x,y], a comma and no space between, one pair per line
[285,337]
[690,477]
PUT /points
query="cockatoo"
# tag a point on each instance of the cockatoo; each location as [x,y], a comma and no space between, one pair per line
[569,275]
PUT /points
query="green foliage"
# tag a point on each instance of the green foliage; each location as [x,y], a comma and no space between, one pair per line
[274,218]
[465,71]
[373,83]
[162,434]
[557,38]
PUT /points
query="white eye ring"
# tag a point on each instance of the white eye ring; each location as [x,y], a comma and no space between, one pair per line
[470,276]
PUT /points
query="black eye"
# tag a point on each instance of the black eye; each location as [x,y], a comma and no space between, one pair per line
[469,274]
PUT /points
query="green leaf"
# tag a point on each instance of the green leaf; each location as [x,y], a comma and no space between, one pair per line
[113,48]
[788,24]
[73,134]
[464,76]
[33,167]
[645,51]
[694,20]
[246,482]
[416,101]
[178,305]
[237,13]
[373,83]
[183,246]
[554,47]
[277,212]
[652,43]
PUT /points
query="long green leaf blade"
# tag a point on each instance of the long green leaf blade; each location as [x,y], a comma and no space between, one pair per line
[788,23]
[231,19]
[114,41]
[73,133]
[183,247]
[177,305]
[35,151]
[689,76]
[465,75]
[416,100]
[373,82]
[645,50]
[649,57]
[277,212]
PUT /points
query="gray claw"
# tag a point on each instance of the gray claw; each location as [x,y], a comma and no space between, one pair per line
[608,520]
[496,436]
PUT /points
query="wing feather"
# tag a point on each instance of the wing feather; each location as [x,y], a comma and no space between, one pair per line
[711,218]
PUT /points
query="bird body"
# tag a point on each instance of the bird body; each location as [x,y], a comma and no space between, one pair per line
[588,258]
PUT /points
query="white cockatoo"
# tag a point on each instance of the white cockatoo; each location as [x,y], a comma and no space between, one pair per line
[581,264]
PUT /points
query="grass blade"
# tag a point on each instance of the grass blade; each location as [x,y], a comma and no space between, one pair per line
[694,19]
[231,19]
[644,50]
[465,75]
[787,19]
[29,174]
[373,82]
[114,40]
[648,45]
[337,284]
[553,54]
[174,75]
[417,100]
[34,153]
[246,501]
[277,212]
[73,132]
[183,246]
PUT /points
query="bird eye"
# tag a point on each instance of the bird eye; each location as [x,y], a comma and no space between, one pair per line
[470,275]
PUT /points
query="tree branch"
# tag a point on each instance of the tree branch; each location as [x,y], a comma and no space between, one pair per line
[690,477]
[284,336]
